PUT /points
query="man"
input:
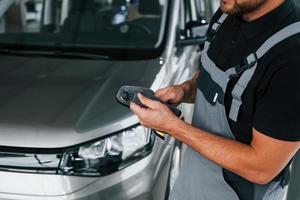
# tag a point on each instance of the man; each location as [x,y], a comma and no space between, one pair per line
[246,124]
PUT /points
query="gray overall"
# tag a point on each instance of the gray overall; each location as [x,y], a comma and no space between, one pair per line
[201,179]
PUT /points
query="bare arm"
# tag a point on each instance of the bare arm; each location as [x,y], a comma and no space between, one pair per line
[258,162]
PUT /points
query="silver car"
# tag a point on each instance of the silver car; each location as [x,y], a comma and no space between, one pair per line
[62,133]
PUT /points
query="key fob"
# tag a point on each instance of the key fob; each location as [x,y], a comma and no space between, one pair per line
[126,94]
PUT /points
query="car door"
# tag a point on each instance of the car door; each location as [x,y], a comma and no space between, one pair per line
[185,59]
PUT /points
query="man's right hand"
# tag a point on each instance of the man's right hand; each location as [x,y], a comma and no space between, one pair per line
[172,94]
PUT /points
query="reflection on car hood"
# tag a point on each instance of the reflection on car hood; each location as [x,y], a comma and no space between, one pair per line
[53,103]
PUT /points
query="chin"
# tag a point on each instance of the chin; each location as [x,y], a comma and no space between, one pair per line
[227,7]
[226,10]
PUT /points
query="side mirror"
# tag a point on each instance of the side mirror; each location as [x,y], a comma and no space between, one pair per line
[195,34]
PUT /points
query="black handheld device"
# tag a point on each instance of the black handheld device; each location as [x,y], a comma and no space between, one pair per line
[127,94]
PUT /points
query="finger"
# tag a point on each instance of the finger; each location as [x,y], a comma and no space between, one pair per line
[136,109]
[159,93]
[148,102]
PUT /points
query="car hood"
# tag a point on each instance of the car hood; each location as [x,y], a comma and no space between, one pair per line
[54,103]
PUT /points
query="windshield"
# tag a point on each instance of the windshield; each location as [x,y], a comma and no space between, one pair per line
[82,25]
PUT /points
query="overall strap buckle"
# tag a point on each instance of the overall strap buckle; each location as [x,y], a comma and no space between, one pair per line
[248,63]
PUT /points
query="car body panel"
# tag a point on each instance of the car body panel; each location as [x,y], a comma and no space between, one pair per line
[42,99]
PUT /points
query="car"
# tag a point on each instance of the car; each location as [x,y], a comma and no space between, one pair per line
[63,134]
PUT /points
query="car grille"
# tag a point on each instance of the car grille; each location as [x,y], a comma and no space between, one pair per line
[31,163]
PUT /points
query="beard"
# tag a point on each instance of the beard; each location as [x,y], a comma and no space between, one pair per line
[242,8]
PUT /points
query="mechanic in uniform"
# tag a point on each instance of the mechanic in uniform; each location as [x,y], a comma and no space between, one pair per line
[246,123]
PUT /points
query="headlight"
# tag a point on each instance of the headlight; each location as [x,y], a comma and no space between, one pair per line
[108,155]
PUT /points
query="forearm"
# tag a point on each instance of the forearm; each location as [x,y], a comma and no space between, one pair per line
[237,157]
[190,88]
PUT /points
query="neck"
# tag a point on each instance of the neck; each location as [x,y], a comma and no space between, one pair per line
[265,8]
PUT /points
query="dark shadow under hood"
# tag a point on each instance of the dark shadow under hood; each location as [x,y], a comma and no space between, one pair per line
[53,103]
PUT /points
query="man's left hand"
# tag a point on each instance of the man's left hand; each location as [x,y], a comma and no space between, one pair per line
[157,116]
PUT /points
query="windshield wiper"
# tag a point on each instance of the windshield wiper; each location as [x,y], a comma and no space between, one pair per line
[61,54]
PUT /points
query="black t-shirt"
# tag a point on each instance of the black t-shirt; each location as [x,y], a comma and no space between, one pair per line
[271,101]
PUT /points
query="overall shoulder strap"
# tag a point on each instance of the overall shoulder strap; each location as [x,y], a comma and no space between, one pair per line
[277,38]
[251,65]
[216,26]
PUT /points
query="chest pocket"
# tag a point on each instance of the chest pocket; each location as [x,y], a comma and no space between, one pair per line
[212,92]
